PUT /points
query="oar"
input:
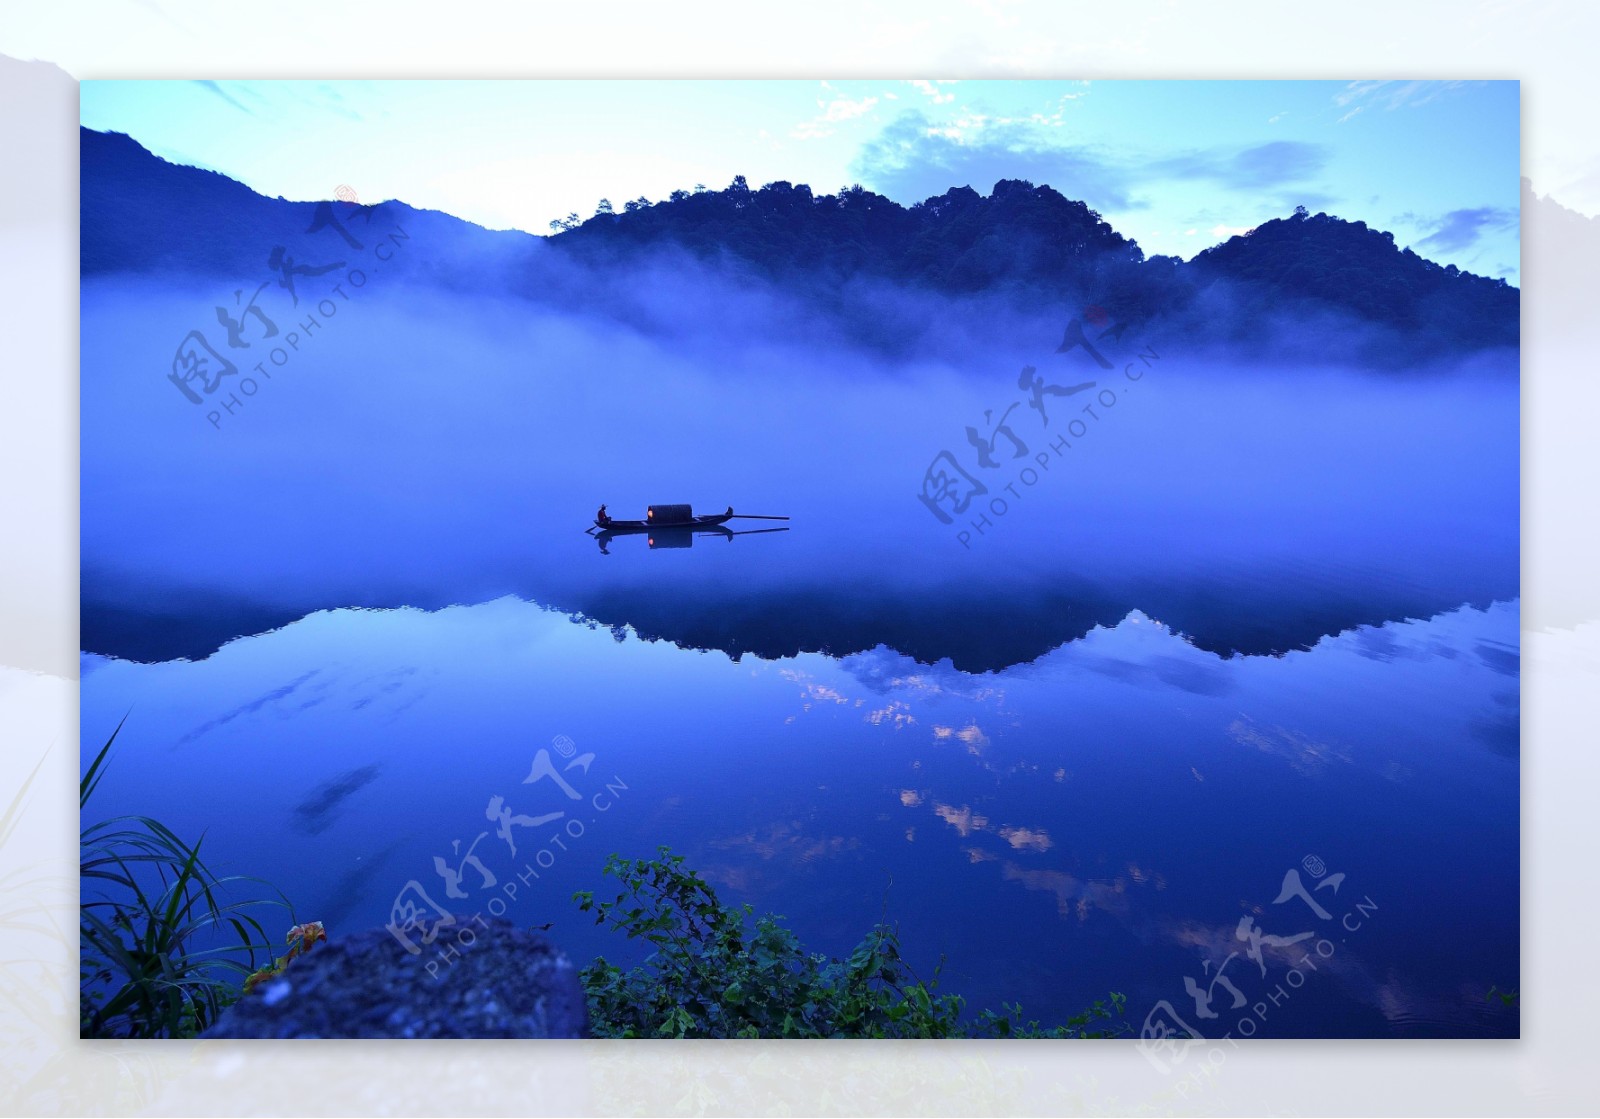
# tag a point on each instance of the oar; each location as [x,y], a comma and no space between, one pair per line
[759,517]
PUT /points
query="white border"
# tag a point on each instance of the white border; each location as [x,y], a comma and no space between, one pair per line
[45,1070]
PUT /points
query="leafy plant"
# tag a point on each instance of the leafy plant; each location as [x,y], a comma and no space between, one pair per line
[718,971]
[301,939]
[1507,998]
[1010,1023]
[162,948]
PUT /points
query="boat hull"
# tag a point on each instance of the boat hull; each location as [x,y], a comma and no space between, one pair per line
[621,527]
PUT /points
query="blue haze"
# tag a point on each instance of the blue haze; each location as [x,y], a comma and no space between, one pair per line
[1260,610]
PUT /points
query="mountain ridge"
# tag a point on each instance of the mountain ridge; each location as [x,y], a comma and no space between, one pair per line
[1022,242]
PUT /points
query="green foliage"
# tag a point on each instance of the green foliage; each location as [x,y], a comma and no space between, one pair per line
[162,949]
[721,972]
[1507,998]
[1084,1024]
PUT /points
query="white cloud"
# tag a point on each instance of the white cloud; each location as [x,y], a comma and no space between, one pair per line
[1220,230]
[932,91]
[1391,95]
[833,112]
[1054,119]
[841,108]
[959,128]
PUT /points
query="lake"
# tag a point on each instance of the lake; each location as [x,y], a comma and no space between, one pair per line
[1221,695]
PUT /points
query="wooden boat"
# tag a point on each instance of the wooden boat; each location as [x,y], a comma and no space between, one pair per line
[674,526]
[619,527]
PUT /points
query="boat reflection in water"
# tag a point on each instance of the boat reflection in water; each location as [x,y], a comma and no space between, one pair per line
[675,526]
[671,536]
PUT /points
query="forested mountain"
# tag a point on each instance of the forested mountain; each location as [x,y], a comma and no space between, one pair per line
[1021,243]
[1347,265]
[1020,236]
[1034,241]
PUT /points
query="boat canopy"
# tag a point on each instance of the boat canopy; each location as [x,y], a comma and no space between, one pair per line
[669,514]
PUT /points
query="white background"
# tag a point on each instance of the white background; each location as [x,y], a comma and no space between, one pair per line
[45,1070]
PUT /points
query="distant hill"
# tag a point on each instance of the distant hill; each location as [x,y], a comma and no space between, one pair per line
[1022,243]
[141,214]
[1034,241]
[960,242]
[1320,259]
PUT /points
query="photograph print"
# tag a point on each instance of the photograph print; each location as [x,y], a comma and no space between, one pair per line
[801,559]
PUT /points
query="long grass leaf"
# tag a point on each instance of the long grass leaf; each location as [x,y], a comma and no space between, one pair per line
[97,769]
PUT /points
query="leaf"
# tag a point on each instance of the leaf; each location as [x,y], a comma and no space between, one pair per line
[91,777]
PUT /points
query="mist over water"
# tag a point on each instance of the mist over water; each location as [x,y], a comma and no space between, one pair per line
[423,448]
[1256,610]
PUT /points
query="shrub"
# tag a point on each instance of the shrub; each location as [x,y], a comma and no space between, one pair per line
[161,950]
[721,972]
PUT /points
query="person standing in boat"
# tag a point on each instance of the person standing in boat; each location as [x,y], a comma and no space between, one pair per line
[602,518]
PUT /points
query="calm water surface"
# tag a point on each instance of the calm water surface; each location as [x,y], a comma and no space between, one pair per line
[1254,622]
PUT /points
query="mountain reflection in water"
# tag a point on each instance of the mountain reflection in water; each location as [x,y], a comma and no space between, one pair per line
[1088,821]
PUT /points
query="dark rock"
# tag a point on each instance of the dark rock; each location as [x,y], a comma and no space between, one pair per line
[505,982]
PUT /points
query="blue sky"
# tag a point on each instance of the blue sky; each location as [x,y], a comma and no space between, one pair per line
[1178,166]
